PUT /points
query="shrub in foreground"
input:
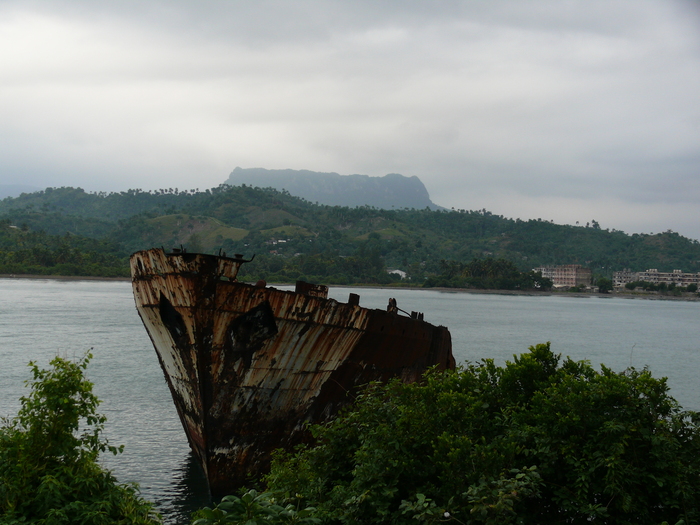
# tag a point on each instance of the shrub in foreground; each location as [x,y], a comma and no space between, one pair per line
[49,470]
[540,440]
[253,508]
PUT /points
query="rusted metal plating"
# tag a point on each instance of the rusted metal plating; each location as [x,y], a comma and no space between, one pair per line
[249,366]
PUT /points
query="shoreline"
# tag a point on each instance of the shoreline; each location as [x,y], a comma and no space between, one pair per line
[622,295]
[530,293]
[33,276]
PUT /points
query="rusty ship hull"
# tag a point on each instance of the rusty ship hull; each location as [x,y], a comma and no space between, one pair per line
[249,366]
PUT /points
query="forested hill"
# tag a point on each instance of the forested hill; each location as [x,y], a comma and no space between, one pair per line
[294,238]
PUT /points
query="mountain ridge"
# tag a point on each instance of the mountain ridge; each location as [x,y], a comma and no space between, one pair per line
[390,191]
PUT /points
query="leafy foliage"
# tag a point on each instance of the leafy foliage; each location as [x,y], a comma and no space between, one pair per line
[537,441]
[661,287]
[498,274]
[24,251]
[49,470]
[294,238]
[254,509]
[605,285]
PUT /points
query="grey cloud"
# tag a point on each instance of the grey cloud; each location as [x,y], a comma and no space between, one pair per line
[534,103]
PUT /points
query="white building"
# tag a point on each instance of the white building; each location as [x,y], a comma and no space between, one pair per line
[677,277]
[567,275]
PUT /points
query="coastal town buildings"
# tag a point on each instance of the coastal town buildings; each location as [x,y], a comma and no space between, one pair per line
[567,275]
[546,271]
[654,276]
[623,277]
[570,275]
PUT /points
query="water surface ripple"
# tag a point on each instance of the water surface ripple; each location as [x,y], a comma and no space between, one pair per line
[43,318]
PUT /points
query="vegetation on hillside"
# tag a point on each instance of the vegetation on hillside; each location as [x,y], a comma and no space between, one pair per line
[540,440]
[297,239]
[23,251]
[49,468]
[488,274]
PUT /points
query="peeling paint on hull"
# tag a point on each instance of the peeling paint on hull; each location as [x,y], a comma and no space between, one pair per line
[249,366]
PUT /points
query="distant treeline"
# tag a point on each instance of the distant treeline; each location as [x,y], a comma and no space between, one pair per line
[70,231]
[27,252]
[488,274]
[660,287]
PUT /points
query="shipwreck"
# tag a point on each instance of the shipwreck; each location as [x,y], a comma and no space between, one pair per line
[249,366]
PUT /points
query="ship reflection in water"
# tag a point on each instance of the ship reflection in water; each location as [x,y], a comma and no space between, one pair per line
[77,315]
[248,366]
[187,493]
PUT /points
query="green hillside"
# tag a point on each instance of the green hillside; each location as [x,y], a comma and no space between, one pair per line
[199,233]
[293,238]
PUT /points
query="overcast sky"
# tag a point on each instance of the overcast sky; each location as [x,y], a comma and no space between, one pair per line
[565,110]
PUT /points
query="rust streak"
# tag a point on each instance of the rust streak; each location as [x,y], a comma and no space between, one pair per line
[248,366]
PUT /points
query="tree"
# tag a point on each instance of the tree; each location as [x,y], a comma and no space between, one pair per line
[49,470]
[488,274]
[605,285]
[539,282]
[538,441]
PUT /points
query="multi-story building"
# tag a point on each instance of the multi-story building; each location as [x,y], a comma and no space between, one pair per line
[570,275]
[546,271]
[567,275]
[623,277]
[677,277]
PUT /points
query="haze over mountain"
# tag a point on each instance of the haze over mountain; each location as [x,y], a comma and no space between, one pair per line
[15,190]
[387,192]
[567,111]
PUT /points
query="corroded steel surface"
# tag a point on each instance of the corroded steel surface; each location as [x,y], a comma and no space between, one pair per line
[249,366]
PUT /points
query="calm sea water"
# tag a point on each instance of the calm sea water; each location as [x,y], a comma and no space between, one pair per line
[42,318]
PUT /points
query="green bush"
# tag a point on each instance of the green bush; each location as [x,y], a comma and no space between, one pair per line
[605,285]
[254,509]
[538,441]
[49,470]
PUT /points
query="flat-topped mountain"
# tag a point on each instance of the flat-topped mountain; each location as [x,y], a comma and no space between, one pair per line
[391,191]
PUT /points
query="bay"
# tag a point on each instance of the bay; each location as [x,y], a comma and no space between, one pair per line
[662,335]
[43,318]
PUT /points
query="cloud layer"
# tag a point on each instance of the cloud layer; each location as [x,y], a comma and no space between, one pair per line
[569,111]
